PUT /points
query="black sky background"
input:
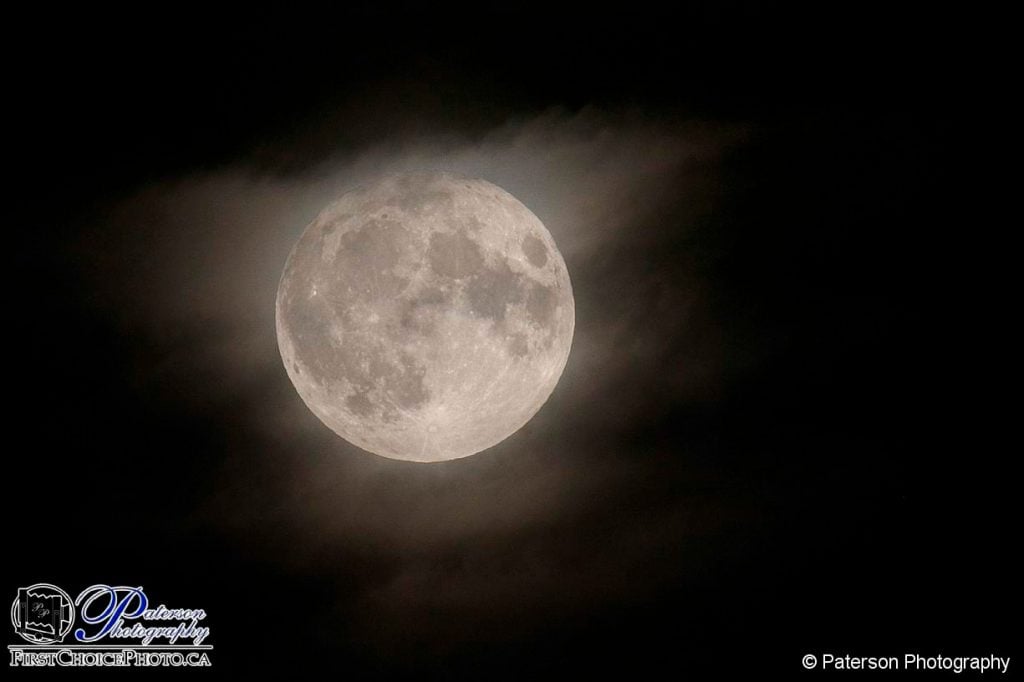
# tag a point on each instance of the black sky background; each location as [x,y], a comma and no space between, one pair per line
[828,478]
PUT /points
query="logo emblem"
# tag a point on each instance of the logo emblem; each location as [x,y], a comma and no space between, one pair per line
[42,613]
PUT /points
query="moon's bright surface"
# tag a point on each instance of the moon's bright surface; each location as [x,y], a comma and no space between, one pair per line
[426,316]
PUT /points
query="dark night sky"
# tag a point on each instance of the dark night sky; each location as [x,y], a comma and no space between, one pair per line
[774,435]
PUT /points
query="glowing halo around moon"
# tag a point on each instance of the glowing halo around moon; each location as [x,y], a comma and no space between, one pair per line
[426,316]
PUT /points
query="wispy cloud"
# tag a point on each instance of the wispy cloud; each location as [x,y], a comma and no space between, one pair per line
[191,265]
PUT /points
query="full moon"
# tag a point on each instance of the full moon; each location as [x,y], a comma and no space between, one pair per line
[426,316]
